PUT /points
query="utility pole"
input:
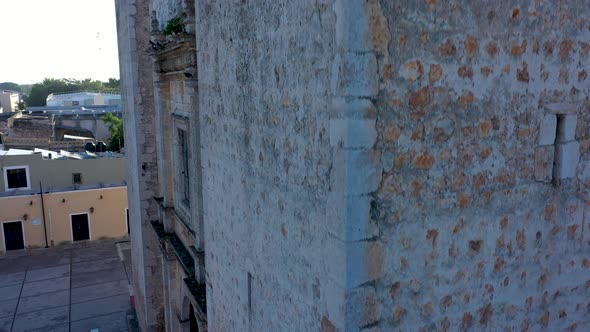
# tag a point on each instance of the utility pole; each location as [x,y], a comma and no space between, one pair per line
[43,210]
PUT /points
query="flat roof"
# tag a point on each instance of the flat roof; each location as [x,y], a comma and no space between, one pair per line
[62,154]
[15,152]
[81,138]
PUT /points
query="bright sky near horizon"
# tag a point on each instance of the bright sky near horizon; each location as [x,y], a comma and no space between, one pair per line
[57,39]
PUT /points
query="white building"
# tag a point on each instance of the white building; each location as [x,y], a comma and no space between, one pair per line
[8,101]
[83,98]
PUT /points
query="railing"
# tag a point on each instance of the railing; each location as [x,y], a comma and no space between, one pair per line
[84,91]
[38,142]
[182,254]
[198,290]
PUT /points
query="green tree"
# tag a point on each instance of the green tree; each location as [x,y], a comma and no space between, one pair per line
[39,91]
[25,88]
[87,85]
[21,105]
[115,124]
[112,85]
[10,86]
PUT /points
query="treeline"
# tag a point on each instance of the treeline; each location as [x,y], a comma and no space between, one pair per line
[36,94]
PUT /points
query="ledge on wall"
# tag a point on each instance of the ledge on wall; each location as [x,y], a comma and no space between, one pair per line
[159,230]
[182,255]
[185,259]
[171,240]
[199,292]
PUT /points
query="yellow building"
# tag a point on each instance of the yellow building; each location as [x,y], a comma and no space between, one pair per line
[69,208]
[67,216]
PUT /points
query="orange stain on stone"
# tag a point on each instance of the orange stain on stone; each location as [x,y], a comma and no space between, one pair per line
[423,161]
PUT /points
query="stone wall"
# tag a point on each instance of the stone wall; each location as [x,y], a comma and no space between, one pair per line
[442,120]
[133,24]
[41,127]
[177,111]
[264,99]
[32,128]
[481,211]
[4,126]
[165,10]
[90,123]
[374,165]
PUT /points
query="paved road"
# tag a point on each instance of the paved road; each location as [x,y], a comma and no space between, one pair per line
[74,288]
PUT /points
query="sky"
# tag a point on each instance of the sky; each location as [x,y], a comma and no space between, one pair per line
[57,39]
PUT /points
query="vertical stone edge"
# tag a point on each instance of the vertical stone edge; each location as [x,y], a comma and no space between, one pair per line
[355,83]
[133,22]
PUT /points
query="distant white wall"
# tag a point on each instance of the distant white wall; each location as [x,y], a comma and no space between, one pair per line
[8,101]
[83,99]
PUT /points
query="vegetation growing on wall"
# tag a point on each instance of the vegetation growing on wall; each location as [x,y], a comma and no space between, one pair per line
[115,124]
[174,26]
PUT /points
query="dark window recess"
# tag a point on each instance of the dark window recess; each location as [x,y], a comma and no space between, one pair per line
[16,178]
[80,227]
[75,103]
[183,145]
[13,235]
[77,178]
[182,255]
[193,320]
[159,229]
[250,292]
[199,292]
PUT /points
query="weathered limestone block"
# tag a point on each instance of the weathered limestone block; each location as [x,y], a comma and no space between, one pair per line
[353,133]
[567,156]
[566,131]
[544,158]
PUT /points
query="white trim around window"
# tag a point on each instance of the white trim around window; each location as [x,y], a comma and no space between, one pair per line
[72,226]
[26,167]
[23,232]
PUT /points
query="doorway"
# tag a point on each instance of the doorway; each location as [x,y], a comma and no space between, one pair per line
[193,320]
[127,216]
[14,238]
[80,227]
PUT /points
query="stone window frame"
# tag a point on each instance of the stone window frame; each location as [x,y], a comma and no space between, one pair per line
[183,154]
[182,204]
[557,153]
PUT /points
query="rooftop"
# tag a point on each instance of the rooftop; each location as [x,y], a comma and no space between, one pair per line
[59,155]
[95,109]
[66,111]
[11,92]
[84,92]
